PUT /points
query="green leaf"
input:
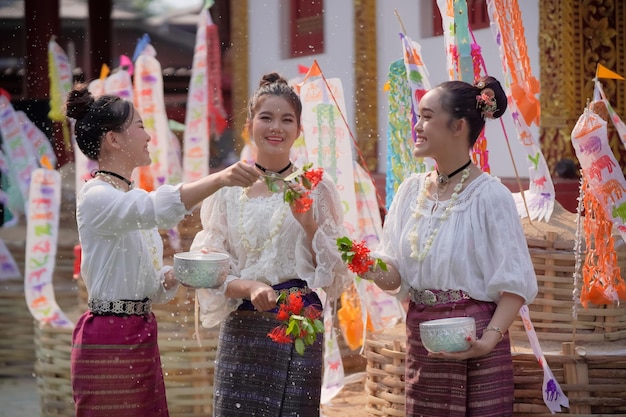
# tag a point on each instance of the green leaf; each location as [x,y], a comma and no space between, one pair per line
[293,328]
[310,339]
[381,264]
[319,326]
[300,346]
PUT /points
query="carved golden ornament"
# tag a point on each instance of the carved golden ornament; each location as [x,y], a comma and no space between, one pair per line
[365,85]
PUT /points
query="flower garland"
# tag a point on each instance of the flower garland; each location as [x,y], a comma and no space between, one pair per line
[300,325]
[421,199]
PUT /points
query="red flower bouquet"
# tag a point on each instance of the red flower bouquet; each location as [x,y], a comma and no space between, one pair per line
[300,324]
[357,256]
[305,176]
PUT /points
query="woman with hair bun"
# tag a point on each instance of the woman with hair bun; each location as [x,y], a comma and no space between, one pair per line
[454,246]
[276,250]
[115,362]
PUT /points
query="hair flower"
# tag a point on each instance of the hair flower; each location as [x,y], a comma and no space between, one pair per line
[357,256]
[300,325]
[306,177]
[486,102]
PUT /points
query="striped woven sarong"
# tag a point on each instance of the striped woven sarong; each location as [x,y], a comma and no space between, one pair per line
[116,367]
[478,387]
[255,376]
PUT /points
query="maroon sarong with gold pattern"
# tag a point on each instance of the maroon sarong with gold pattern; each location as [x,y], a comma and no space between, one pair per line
[478,387]
[116,367]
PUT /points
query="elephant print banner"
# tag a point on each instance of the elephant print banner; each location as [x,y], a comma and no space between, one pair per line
[42,231]
[600,168]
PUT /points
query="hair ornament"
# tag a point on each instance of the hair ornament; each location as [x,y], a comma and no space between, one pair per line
[486,101]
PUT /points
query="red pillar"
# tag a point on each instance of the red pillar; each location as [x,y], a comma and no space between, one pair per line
[99,37]
[42,21]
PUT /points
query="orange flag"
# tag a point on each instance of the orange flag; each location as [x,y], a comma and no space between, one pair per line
[604,72]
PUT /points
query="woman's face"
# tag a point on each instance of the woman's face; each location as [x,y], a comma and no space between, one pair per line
[274,127]
[433,132]
[134,140]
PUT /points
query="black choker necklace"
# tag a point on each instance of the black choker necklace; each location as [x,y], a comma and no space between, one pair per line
[277,172]
[113,174]
[442,179]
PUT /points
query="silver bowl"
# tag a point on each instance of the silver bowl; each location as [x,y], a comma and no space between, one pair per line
[447,335]
[201,270]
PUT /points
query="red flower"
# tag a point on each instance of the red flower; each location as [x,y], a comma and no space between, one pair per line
[314,176]
[283,313]
[357,256]
[303,202]
[279,335]
[306,178]
[294,303]
[296,328]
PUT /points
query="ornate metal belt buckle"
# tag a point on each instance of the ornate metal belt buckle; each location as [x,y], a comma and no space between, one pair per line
[429,297]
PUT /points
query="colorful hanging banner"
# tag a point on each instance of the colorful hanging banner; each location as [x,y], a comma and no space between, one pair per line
[8,266]
[600,168]
[149,101]
[42,231]
[328,140]
[119,84]
[333,377]
[196,137]
[17,150]
[36,140]
[61,80]
[553,395]
[521,86]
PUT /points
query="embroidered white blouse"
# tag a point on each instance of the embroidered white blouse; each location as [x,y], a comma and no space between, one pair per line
[480,249]
[266,243]
[122,251]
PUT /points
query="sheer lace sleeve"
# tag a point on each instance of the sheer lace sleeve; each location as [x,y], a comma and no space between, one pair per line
[330,272]
[214,305]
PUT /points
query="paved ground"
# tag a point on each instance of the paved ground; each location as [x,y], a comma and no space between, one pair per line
[18,397]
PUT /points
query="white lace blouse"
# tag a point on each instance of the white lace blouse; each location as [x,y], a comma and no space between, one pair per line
[266,243]
[122,251]
[480,248]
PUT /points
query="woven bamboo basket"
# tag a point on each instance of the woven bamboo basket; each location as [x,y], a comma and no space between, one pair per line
[385,352]
[17,346]
[52,368]
[188,363]
[551,246]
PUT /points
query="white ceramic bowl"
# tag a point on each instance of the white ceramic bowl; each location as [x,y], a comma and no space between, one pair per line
[201,270]
[447,335]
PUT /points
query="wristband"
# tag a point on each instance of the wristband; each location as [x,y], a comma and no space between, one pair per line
[495,329]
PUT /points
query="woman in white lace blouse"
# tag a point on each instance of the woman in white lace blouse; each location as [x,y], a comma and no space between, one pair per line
[454,246]
[115,361]
[274,248]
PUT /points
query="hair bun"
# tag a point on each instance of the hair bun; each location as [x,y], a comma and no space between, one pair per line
[272,78]
[78,102]
[491,99]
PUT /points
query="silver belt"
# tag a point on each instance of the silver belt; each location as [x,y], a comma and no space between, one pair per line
[434,297]
[126,307]
[293,290]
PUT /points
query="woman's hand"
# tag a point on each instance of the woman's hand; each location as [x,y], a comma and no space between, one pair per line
[169,280]
[480,347]
[239,174]
[262,296]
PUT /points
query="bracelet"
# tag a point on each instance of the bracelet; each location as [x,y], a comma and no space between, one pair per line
[495,329]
